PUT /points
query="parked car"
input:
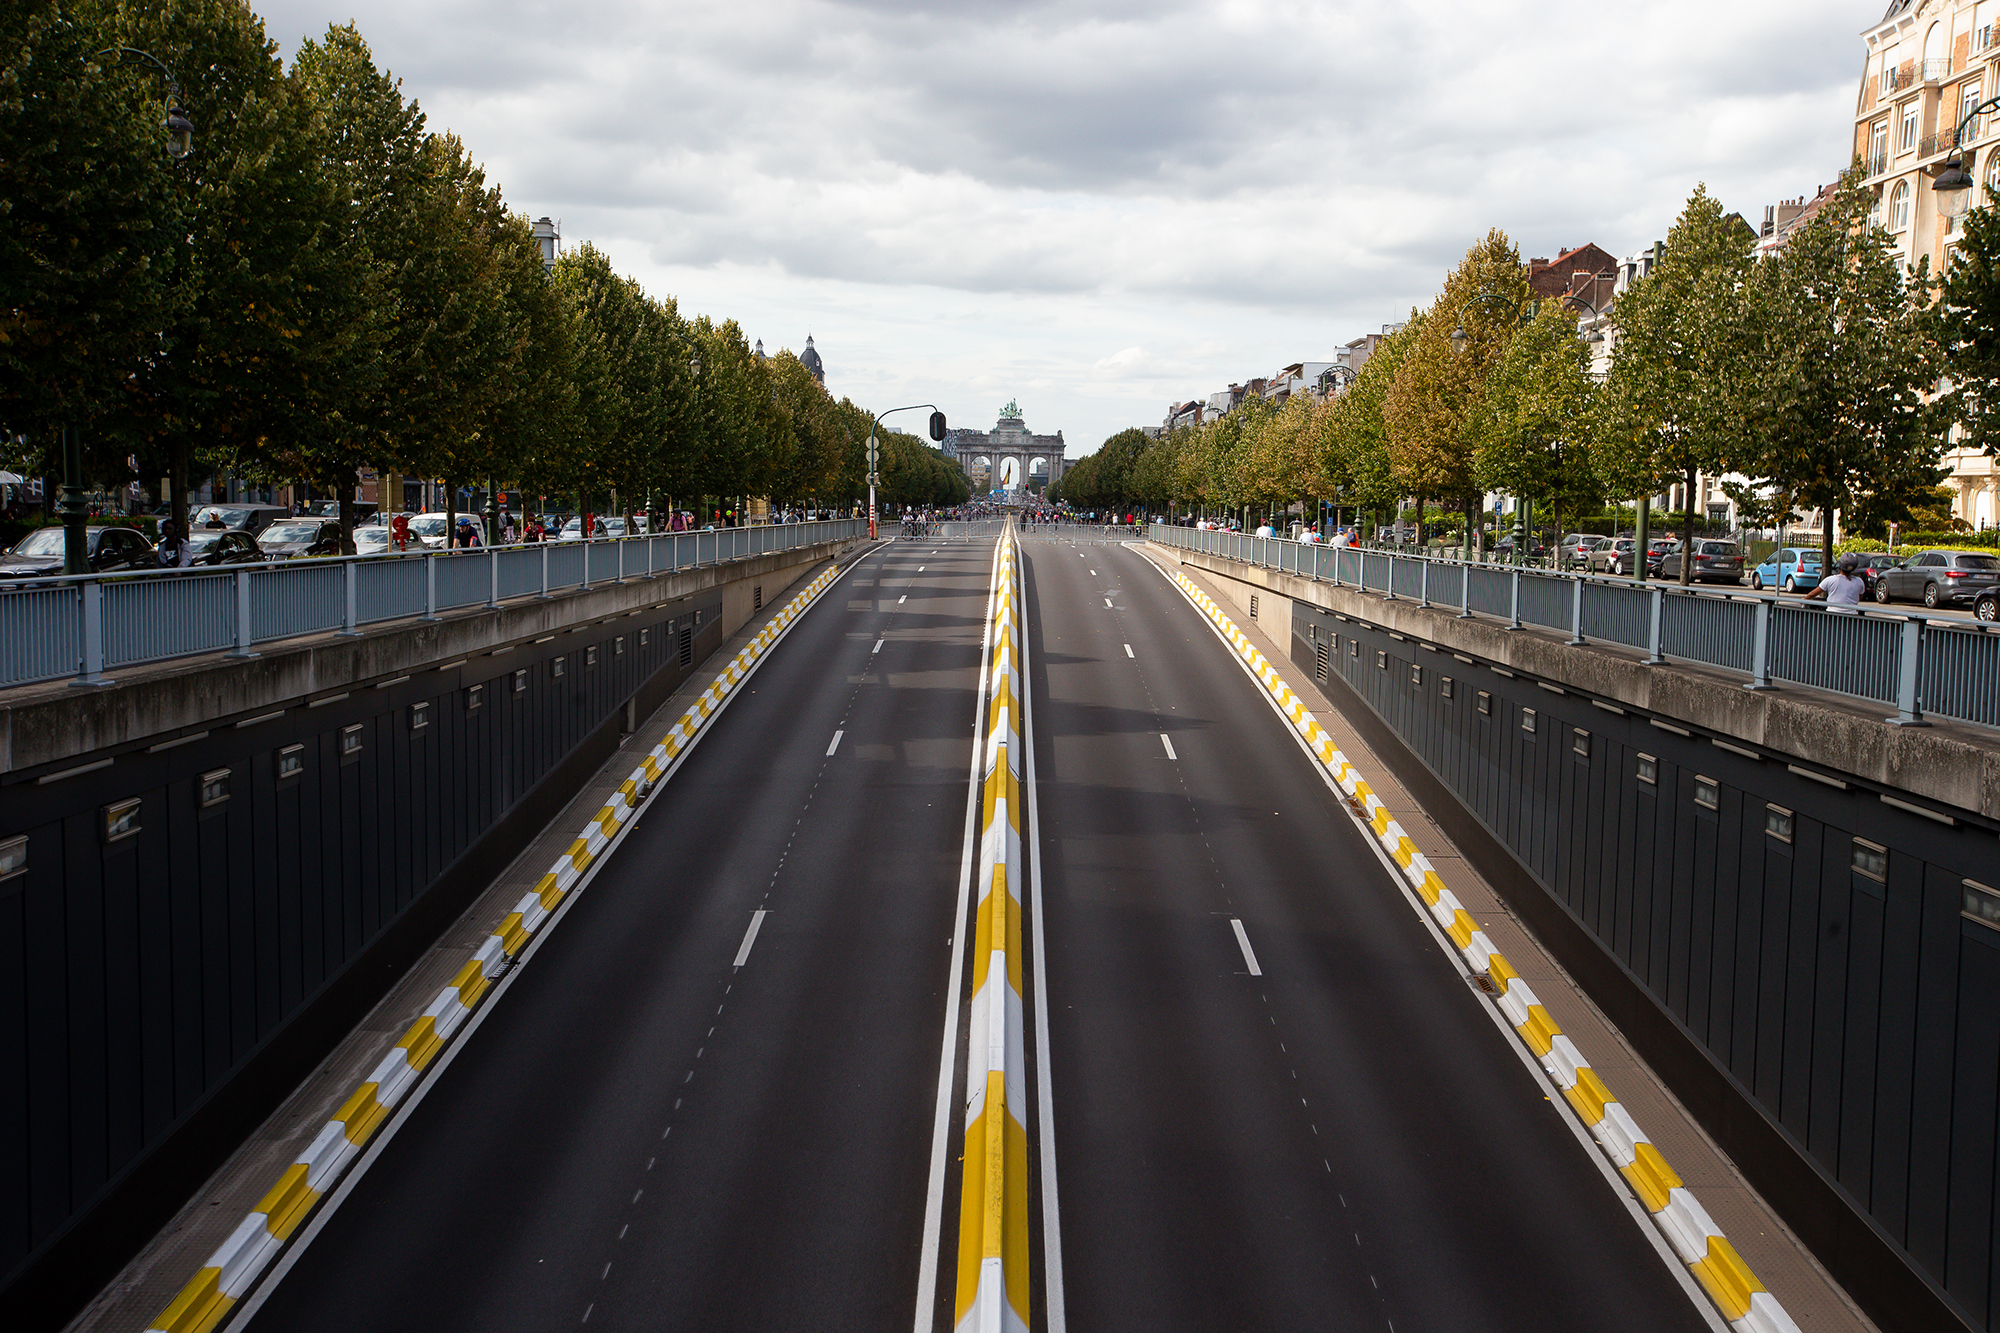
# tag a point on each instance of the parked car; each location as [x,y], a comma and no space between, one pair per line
[298,537]
[252,519]
[1613,557]
[1574,553]
[429,529]
[1505,550]
[224,548]
[1986,606]
[40,553]
[375,539]
[1870,566]
[1714,562]
[1937,578]
[364,510]
[1793,568]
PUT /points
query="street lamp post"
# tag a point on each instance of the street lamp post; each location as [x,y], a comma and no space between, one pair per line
[1953,176]
[937,430]
[70,506]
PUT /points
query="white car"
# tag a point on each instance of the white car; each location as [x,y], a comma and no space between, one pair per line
[430,529]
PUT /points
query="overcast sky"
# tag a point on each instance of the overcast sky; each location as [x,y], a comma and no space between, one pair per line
[1098,206]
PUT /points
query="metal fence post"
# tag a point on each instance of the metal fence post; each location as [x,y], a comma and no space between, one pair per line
[492,578]
[1656,629]
[1909,708]
[1514,611]
[243,632]
[619,577]
[1576,611]
[90,606]
[584,547]
[1465,591]
[1389,593]
[1760,648]
[544,543]
[431,586]
[1423,582]
[350,622]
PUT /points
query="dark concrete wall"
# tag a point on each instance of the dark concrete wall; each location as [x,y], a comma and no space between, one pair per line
[161,993]
[1838,1033]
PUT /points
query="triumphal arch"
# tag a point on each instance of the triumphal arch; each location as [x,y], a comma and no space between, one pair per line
[1008,457]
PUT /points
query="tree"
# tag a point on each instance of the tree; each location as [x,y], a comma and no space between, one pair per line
[1357,434]
[1673,402]
[1844,354]
[1531,427]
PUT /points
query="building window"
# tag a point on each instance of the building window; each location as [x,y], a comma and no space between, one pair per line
[1444,686]
[1416,674]
[214,787]
[520,681]
[590,656]
[1485,704]
[1992,178]
[475,695]
[556,667]
[350,743]
[1899,206]
[1778,822]
[1647,770]
[121,820]
[1579,741]
[1878,148]
[618,646]
[1528,720]
[645,636]
[1381,659]
[1353,647]
[1706,792]
[291,761]
[420,716]
[14,857]
[1981,904]
[1907,140]
[1870,859]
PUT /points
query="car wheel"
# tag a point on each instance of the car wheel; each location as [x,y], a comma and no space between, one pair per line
[1756,583]
[1987,609]
[1930,594]
[1791,584]
[1882,590]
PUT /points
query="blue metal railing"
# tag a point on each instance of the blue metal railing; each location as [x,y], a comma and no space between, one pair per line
[1919,664]
[50,628]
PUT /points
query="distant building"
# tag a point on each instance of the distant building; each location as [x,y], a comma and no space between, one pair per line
[1787,216]
[985,454]
[1586,272]
[810,360]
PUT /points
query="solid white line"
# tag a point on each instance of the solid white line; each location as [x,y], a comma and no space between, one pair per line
[750,937]
[1170,747]
[1619,1186]
[1243,941]
[835,743]
[876,649]
[1045,1115]
[927,1258]
[1128,650]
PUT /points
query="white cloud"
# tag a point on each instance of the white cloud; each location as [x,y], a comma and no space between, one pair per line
[968,203]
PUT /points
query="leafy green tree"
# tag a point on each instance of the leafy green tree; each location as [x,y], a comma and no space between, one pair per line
[1971,292]
[1844,354]
[1531,427]
[1357,435]
[1673,404]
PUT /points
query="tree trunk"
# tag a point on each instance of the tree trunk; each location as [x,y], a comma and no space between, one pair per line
[177,481]
[1826,542]
[450,514]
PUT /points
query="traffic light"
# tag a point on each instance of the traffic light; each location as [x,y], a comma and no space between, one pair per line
[937,426]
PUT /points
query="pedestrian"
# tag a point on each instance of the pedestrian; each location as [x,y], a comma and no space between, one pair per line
[175,553]
[1843,591]
[399,531]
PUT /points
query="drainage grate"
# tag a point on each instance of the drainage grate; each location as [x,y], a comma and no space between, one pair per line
[757,598]
[687,645]
[1320,655]
[1253,606]
[1479,981]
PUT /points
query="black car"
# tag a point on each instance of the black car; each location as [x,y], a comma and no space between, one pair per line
[224,548]
[249,518]
[1940,577]
[40,553]
[293,537]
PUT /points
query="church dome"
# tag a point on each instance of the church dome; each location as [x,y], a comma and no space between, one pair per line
[810,360]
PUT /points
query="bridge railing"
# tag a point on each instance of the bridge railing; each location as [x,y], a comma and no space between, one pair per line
[1915,663]
[50,628]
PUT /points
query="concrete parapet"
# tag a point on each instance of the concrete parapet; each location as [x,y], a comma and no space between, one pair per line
[1954,764]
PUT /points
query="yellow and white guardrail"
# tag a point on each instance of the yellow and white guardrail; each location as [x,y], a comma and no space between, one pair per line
[1737,1293]
[239,1261]
[993,1200]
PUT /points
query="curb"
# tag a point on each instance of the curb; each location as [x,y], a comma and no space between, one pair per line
[240,1260]
[993,1290]
[1735,1290]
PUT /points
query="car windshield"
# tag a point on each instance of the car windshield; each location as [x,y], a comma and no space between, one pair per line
[574,525]
[1978,562]
[42,541]
[292,532]
[201,541]
[371,536]
[428,525]
[229,517]
[1718,548]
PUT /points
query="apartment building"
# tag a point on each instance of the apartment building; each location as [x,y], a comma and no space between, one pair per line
[1929,63]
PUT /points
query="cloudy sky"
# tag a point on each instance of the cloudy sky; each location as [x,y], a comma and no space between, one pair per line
[1098,206]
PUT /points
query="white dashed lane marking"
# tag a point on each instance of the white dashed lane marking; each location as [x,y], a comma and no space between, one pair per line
[904,598]
[1107,601]
[834,744]
[1170,747]
[1249,957]
[876,649]
[1128,650]
[757,924]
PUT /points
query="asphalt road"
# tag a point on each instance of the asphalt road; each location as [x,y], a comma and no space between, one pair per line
[642,1135]
[1344,1142]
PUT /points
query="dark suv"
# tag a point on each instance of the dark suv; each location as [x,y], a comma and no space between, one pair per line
[1939,578]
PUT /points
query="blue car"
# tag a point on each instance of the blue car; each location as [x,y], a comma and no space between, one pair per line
[1790,568]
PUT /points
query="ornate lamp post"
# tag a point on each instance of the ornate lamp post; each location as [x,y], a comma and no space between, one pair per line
[69,502]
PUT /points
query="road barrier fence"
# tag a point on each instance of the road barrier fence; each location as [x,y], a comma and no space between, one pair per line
[83,627]
[1915,663]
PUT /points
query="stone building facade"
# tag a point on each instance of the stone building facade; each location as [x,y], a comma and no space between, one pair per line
[984,454]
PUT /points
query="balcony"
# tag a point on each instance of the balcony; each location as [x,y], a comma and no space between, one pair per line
[1935,70]
[1878,162]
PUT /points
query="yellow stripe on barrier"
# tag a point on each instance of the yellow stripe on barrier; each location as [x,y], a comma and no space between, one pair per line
[421,1042]
[1650,1176]
[285,1206]
[199,1307]
[359,1115]
[1727,1279]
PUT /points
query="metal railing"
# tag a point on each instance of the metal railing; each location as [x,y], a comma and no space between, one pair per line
[50,628]
[1915,663]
